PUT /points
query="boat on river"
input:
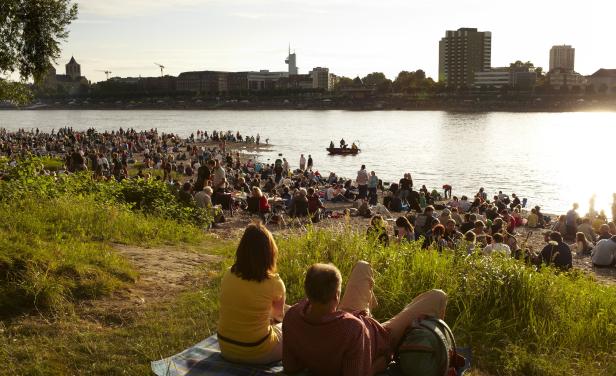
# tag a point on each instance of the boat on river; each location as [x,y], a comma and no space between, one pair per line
[343,151]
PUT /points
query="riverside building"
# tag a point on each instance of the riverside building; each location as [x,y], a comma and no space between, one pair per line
[462,53]
[563,58]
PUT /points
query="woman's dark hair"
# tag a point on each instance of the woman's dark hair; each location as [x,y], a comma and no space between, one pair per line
[255,258]
[404,222]
[438,230]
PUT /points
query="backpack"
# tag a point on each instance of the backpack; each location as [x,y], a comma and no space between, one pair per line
[429,349]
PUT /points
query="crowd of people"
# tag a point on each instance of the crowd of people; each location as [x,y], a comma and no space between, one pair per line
[211,176]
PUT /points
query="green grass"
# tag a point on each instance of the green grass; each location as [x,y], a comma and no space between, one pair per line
[71,346]
[55,251]
[517,321]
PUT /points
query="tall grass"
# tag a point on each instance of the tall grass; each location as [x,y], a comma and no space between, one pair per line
[517,320]
[54,251]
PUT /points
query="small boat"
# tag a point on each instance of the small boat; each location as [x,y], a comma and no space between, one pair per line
[343,151]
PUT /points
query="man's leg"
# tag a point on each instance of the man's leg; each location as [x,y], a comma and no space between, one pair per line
[430,303]
[358,295]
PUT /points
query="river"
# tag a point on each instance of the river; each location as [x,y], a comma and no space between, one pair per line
[552,159]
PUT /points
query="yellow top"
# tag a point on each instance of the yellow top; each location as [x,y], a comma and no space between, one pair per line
[533,219]
[245,312]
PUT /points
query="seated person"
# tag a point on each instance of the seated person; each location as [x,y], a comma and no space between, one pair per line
[583,246]
[314,202]
[604,232]
[378,230]
[555,253]
[452,235]
[334,194]
[604,253]
[533,219]
[299,205]
[405,231]
[424,222]
[203,198]
[497,246]
[252,297]
[327,335]
[286,196]
[586,228]
[264,206]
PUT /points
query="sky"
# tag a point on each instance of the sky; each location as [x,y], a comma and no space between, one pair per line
[350,37]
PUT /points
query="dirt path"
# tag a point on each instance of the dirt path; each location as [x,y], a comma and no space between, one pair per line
[164,272]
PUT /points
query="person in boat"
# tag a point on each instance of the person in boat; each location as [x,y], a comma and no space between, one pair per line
[331,145]
[343,144]
[354,147]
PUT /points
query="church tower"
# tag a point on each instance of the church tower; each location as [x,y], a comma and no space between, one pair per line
[73,70]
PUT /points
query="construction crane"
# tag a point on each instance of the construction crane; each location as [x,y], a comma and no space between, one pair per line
[107,73]
[162,67]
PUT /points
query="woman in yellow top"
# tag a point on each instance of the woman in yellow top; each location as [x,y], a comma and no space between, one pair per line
[252,301]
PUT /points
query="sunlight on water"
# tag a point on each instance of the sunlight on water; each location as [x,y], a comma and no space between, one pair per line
[553,159]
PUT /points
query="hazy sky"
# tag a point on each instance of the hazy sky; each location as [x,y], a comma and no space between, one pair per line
[351,37]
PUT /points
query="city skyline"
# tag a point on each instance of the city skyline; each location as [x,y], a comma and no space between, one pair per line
[350,38]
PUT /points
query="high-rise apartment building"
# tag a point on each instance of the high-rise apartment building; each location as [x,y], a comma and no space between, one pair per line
[562,57]
[462,53]
[320,78]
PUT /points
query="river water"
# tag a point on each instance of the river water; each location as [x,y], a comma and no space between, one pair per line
[553,159]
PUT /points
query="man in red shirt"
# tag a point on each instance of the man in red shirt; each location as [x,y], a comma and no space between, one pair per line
[327,335]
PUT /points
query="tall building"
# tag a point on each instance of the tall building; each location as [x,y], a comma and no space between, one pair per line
[562,57]
[291,61]
[462,53]
[73,70]
[320,78]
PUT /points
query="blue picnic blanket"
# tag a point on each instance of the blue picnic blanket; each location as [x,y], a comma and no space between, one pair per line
[204,359]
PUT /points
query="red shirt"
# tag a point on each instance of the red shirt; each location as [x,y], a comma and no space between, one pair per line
[263,205]
[342,344]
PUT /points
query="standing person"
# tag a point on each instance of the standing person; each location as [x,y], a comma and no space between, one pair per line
[218,174]
[373,183]
[302,162]
[285,166]
[310,162]
[252,298]
[571,221]
[362,182]
[333,334]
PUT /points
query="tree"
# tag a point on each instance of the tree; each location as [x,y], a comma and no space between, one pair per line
[30,36]
[377,80]
[410,82]
[343,82]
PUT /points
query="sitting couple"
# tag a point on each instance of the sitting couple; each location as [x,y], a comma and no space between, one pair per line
[327,333]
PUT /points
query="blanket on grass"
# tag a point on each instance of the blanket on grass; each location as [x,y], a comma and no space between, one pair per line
[204,359]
